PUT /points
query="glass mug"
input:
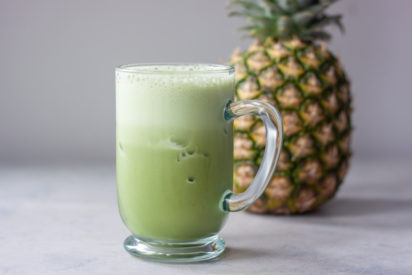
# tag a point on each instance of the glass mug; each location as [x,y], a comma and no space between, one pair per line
[174,157]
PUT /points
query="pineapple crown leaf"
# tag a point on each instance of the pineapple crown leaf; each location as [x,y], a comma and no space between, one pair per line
[285,19]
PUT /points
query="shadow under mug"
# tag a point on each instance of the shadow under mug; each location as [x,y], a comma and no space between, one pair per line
[174,157]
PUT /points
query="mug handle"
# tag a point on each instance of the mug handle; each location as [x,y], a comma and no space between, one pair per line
[274,135]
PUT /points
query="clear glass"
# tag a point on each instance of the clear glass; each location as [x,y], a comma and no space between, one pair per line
[174,157]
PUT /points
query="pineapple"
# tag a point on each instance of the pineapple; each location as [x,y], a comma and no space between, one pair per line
[288,68]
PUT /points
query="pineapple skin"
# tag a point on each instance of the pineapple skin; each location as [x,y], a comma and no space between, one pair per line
[307,84]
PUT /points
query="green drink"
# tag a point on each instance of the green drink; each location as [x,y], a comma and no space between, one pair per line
[174,157]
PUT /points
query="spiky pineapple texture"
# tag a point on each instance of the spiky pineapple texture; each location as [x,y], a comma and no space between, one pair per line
[285,19]
[307,84]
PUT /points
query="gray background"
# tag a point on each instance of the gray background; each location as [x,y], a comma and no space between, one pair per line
[57,62]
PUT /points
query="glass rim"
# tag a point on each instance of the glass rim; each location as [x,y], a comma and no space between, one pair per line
[205,68]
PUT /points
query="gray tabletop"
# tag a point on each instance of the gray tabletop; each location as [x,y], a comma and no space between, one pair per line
[64,220]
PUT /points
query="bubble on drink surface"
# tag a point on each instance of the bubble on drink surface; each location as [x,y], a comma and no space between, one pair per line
[177,143]
[121,150]
[192,150]
[191,180]
[225,131]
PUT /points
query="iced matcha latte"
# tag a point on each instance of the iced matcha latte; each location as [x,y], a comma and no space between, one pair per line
[174,157]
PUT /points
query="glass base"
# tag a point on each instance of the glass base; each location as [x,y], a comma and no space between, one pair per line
[201,250]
